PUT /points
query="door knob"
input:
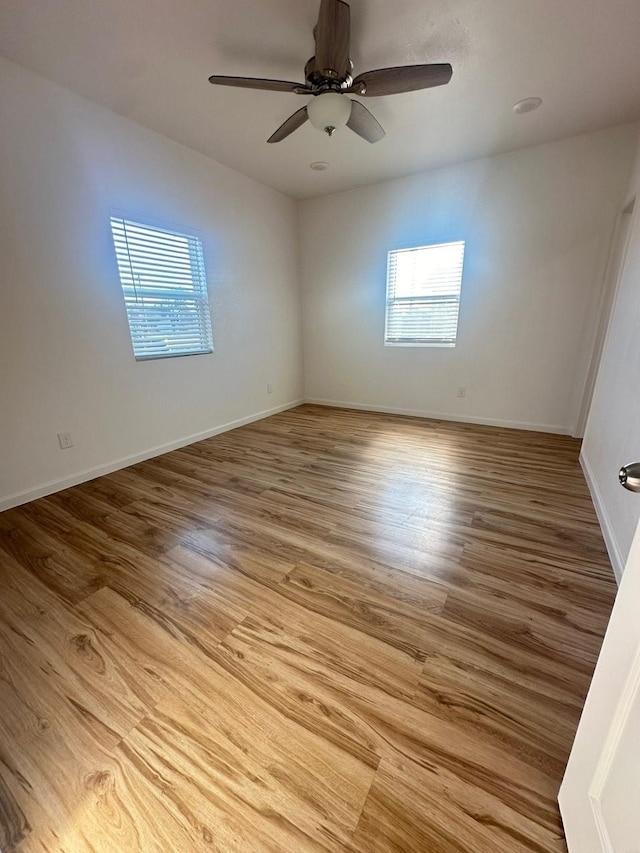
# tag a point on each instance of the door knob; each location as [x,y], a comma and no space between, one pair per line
[629,476]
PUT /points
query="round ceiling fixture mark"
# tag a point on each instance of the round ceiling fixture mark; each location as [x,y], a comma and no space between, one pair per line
[527,105]
[319,166]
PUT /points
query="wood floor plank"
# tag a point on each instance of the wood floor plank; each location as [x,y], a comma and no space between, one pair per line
[234,752]
[49,742]
[101,680]
[255,781]
[400,624]
[555,636]
[14,826]
[442,814]
[326,593]
[563,580]
[308,634]
[67,572]
[521,665]
[292,661]
[396,728]
[514,717]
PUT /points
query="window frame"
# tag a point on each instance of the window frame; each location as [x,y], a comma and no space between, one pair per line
[442,344]
[200,293]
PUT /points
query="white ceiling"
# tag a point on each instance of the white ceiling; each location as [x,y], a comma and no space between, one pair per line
[150,59]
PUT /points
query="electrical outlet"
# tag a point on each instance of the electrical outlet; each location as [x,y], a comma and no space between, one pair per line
[269,388]
[462,391]
[65,440]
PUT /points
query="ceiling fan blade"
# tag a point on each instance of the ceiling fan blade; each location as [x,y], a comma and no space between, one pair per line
[405,78]
[332,35]
[292,123]
[259,83]
[364,124]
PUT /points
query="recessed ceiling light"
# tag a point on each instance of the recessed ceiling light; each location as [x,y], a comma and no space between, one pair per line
[319,166]
[527,105]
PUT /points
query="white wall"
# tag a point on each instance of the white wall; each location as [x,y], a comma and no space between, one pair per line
[612,436]
[537,223]
[65,355]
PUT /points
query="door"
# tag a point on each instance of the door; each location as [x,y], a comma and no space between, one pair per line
[600,793]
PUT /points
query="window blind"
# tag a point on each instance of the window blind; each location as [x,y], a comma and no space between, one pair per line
[423,295]
[165,289]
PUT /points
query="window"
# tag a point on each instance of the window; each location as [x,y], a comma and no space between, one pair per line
[165,289]
[423,295]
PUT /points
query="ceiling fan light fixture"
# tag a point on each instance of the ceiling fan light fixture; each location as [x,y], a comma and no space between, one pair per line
[328,111]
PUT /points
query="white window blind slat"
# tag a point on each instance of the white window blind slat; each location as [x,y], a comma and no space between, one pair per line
[423,295]
[164,284]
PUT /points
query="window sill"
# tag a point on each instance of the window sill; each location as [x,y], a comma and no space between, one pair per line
[417,344]
[172,355]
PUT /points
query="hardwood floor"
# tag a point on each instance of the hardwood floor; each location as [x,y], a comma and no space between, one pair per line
[327,631]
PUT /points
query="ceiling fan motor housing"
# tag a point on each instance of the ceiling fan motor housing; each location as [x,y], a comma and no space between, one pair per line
[327,78]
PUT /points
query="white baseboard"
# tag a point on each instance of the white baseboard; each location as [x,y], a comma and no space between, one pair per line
[608,535]
[52,486]
[441,416]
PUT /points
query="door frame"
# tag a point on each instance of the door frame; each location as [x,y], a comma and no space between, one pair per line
[605,310]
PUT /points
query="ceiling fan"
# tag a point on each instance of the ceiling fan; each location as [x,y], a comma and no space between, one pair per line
[329,80]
